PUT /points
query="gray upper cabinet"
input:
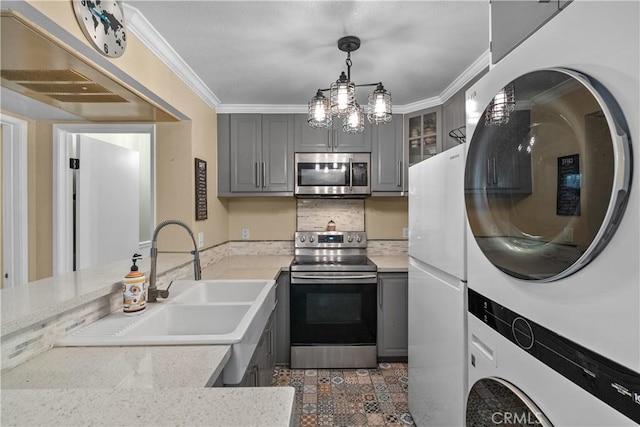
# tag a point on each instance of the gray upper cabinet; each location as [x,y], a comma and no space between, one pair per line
[312,140]
[422,134]
[255,154]
[277,152]
[388,169]
[512,21]
[505,168]
[453,118]
[308,139]
[246,152]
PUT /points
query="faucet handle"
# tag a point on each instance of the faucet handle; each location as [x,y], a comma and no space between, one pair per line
[163,293]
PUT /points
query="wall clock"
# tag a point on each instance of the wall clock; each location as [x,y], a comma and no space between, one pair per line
[102,23]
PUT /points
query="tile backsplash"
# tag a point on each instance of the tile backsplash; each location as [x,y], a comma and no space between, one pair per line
[314,214]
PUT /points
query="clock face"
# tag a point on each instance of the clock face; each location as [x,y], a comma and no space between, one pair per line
[102,22]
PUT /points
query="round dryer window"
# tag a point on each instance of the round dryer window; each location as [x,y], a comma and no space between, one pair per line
[547,175]
[493,401]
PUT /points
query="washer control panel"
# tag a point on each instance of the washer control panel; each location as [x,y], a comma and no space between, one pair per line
[612,383]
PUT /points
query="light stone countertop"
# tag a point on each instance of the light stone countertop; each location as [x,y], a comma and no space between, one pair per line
[265,406]
[247,267]
[152,385]
[156,367]
[391,263]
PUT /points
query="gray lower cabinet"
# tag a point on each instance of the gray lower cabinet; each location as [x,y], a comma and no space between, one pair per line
[255,154]
[388,168]
[393,321]
[262,363]
[283,332]
[313,140]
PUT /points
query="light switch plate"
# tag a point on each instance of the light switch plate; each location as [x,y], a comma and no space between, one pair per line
[200,239]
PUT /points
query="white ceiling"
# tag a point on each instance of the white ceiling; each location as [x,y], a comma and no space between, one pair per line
[278,53]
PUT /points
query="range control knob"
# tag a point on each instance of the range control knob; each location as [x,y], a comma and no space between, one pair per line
[349,238]
[311,239]
[358,238]
[303,238]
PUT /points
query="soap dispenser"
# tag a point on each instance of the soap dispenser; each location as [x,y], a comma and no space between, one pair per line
[134,289]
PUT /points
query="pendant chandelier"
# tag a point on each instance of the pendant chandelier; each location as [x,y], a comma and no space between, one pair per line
[342,99]
[501,106]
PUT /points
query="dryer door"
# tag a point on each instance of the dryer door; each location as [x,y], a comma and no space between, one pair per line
[493,401]
[547,174]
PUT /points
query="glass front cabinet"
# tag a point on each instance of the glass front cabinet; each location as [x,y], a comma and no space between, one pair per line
[423,134]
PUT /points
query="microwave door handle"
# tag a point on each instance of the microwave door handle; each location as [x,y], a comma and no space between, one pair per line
[351,174]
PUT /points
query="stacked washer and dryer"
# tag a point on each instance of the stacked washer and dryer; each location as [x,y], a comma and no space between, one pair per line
[553,237]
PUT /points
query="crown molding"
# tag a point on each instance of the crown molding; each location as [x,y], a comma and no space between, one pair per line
[417,106]
[467,75]
[262,108]
[139,26]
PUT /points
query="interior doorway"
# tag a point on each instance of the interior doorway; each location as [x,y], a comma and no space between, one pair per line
[14,254]
[102,212]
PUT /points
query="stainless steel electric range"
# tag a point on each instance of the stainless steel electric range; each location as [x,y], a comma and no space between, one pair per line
[333,301]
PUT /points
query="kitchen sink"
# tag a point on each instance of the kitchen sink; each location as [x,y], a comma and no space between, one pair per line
[178,320]
[207,312]
[219,292]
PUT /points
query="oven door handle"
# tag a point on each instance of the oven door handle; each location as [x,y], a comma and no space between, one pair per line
[315,279]
[320,277]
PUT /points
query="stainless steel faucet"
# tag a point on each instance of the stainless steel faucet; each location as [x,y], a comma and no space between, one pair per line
[153,292]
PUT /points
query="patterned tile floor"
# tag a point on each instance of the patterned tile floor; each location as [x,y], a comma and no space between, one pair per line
[348,397]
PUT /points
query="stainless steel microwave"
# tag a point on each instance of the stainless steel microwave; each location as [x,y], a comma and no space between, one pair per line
[333,174]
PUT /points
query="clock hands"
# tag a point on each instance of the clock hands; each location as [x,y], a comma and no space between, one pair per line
[100,15]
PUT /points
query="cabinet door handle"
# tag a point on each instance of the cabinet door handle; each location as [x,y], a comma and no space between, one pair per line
[271,342]
[495,172]
[399,173]
[264,174]
[380,295]
[329,140]
[257,174]
[254,374]
[488,179]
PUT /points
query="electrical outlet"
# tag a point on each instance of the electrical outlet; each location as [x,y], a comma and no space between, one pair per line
[200,239]
[567,234]
[245,234]
[405,232]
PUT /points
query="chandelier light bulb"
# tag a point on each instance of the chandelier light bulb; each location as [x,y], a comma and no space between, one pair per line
[319,116]
[354,122]
[379,107]
[343,96]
